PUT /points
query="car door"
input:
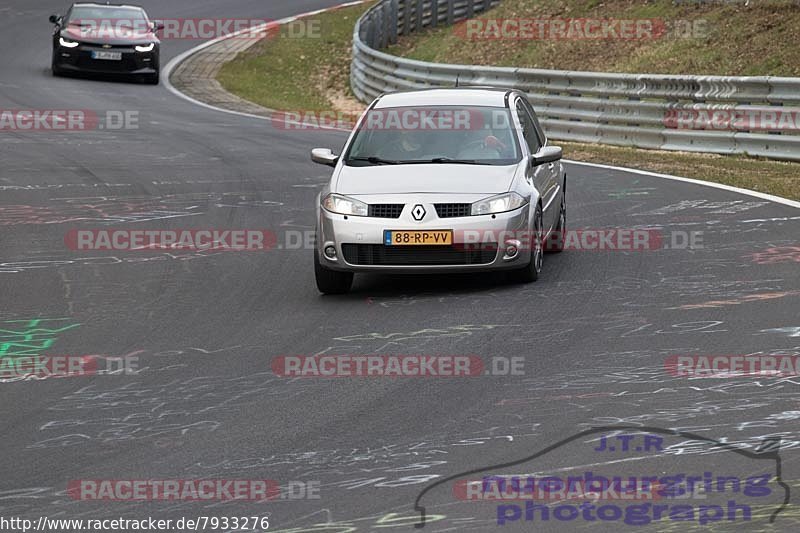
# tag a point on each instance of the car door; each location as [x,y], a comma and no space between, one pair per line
[542,176]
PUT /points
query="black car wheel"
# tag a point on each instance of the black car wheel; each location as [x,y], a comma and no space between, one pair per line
[331,281]
[530,272]
[54,68]
[555,242]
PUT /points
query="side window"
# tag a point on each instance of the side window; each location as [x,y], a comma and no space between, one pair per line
[528,128]
[539,130]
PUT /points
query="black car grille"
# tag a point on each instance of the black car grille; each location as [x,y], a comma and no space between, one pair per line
[109,47]
[453,210]
[386,210]
[379,254]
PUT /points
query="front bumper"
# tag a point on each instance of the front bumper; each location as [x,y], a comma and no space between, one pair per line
[79,59]
[340,232]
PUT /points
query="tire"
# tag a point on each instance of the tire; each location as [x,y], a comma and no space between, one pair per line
[331,281]
[556,244]
[530,272]
[54,69]
[152,79]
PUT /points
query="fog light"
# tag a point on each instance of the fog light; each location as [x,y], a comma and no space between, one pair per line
[512,249]
[330,252]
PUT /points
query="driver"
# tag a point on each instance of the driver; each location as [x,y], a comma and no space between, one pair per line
[406,145]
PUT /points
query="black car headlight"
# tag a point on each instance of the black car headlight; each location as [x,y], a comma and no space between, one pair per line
[66,43]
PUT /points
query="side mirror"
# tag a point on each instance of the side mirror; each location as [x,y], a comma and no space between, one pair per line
[548,154]
[55,19]
[324,156]
[157,25]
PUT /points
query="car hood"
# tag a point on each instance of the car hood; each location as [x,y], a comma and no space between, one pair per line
[108,36]
[434,178]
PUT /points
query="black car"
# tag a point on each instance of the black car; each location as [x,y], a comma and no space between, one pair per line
[106,39]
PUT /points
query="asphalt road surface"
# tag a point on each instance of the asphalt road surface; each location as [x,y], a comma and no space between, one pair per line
[593,333]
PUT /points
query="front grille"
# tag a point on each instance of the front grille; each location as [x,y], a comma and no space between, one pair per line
[379,254]
[453,210]
[110,47]
[386,210]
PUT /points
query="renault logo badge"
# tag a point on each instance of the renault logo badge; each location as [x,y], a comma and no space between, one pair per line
[418,212]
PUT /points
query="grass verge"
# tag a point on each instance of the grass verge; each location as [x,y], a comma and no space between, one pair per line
[313,74]
[309,73]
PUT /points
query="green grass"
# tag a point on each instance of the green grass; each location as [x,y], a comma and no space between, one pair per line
[297,73]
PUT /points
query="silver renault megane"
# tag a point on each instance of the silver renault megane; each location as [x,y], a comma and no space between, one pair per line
[440,180]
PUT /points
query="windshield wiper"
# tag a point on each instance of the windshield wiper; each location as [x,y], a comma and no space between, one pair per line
[456,161]
[375,160]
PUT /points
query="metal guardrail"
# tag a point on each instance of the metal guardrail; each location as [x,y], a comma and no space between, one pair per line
[667,112]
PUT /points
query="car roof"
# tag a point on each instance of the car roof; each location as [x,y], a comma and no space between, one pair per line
[458,96]
[97,4]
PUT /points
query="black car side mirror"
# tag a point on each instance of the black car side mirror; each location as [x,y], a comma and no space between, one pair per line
[157,25]
[55,19]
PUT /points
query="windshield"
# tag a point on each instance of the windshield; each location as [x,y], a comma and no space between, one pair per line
[441,134]
[99,17]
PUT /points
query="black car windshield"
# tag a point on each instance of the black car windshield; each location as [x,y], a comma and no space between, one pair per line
[435,135]
[107,17]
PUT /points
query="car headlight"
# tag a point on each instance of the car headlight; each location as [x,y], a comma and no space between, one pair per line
[145,47]
[498,204]
[66,43]
[336,203]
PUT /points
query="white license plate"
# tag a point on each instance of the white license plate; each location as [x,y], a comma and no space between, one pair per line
[110,56]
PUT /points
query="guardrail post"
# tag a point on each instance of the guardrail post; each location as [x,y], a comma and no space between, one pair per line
[450,15]
[420,15]
[386,26]
[470,8]
[393,16]
[406,15]
[371,34]
[434,13]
